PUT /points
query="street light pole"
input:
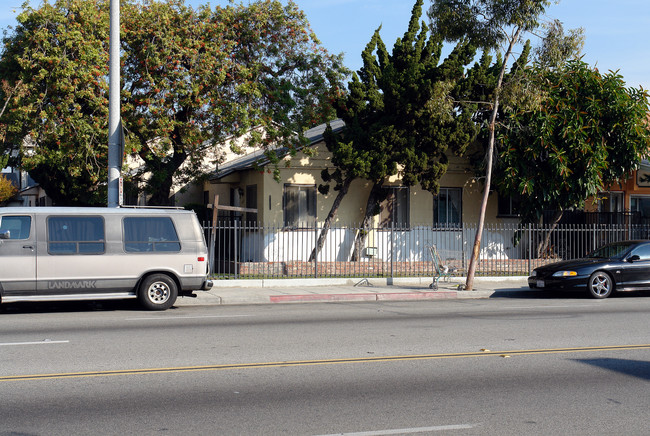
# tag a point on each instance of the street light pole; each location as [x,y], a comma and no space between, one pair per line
[114,140]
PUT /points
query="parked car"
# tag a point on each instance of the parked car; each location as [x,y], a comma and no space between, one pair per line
[619,266]
[70,254]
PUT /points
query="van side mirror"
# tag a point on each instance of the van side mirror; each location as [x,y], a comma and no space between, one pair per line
[633,258]
[5,235]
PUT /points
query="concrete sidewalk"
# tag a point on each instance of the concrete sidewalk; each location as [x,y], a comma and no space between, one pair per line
[234,292]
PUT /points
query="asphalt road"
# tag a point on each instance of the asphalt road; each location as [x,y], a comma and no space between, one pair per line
[467,367]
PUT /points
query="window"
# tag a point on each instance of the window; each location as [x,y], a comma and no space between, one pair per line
[610,207]
[75,235]
[508,206]
[17,226]
[611,201]
[640,204]
[447,210]
[299,205]
[395,208]
[642,251]
[150,234]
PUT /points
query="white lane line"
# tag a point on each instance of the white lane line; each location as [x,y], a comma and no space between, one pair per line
[186,317]
[406,430]
[45,342]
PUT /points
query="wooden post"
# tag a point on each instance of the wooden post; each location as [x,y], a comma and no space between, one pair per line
[213,233]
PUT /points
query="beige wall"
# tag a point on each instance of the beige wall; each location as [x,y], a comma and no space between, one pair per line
[307,170]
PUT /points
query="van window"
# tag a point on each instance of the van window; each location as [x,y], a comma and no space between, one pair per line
[17,226]
[75,235]
[147,234]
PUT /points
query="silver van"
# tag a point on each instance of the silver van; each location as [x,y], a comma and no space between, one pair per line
[64,253]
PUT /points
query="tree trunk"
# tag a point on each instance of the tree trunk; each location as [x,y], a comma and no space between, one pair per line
[330,217]
[471,271]
[544,246]
[360,240]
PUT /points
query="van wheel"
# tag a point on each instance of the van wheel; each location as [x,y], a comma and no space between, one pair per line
[158,292]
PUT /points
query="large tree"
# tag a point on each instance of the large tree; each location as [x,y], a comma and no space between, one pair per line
[587,131]
[494,25]
[52,67]
[400,116]
[191,78]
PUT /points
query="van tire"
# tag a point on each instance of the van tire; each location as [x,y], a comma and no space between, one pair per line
[158,292]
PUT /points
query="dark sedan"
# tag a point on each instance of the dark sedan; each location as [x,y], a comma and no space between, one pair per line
[620,266]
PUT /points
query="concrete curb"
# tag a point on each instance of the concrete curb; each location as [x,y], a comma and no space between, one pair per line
[245,296]
[373,281]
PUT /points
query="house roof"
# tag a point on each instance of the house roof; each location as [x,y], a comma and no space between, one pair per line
[258,157]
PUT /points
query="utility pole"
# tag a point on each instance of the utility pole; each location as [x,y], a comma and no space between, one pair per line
[114,140]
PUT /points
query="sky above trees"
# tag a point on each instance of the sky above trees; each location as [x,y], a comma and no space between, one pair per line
[617,33]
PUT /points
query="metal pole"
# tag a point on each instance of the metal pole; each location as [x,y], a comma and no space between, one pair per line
[114,149]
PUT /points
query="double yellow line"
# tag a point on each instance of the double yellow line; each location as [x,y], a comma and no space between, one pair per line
[179,369]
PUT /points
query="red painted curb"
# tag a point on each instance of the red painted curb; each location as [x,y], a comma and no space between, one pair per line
[394,296]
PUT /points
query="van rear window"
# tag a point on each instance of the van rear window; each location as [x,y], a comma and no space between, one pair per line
[75,235]
[150,234]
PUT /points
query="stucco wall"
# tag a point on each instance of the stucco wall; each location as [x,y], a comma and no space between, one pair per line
[306,170]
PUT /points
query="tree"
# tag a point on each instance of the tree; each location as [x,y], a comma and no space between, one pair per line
[7,189]
[587,132]
[487,23]
[194,78]
[191,78]
[52,68]
[399,116]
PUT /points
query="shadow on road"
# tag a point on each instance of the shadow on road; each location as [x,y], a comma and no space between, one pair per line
[526,293]
[635,368]
[69,307]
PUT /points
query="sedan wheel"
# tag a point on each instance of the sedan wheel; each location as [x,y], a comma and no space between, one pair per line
[600,285]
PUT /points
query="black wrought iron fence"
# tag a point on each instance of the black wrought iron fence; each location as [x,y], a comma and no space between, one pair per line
[252,250]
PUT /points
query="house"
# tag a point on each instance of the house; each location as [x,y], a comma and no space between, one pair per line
[29,192]
[625,202]
[295,199]
[289,212]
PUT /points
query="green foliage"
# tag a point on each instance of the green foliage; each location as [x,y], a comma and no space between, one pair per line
[57,59]
[557,48]
[485,22]
[190,79]
[197,77]
[401,112]
[588,132]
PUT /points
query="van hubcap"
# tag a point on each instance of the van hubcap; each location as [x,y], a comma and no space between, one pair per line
[158,292]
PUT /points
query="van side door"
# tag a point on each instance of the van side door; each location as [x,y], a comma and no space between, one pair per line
[17,255]
[72,258]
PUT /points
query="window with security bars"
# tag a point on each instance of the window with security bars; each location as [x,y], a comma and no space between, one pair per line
[447,208]
[299,205]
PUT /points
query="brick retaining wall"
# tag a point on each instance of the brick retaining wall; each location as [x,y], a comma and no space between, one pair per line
[378,268]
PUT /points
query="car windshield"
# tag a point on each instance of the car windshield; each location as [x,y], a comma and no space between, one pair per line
[610,251]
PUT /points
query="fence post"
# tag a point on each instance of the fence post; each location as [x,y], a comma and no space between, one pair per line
[236,243]
[315,250]
[392,247]
[530,249]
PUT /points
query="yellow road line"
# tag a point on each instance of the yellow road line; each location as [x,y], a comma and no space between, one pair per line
[317,362]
